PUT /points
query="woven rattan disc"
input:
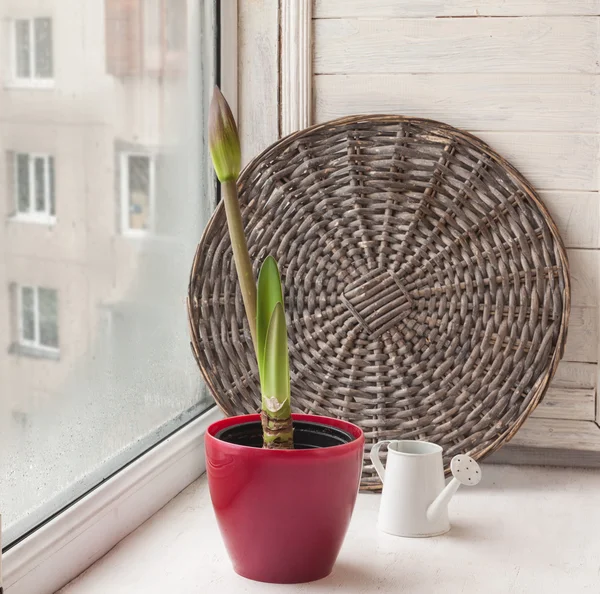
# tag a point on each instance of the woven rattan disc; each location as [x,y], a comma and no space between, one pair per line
[426,286]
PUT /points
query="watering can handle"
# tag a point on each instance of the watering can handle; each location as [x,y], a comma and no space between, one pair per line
[374,455]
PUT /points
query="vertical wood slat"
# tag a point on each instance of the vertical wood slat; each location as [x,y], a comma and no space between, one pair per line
[258,27]
[296,65]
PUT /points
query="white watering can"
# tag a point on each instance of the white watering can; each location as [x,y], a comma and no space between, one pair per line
[415,498]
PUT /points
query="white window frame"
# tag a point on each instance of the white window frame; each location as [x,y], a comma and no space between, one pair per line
[124,192]
[34,344]
[53,554]
[33,216]
[31,81]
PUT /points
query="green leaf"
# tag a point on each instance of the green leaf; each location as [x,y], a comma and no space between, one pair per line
[269,294]
[276,383]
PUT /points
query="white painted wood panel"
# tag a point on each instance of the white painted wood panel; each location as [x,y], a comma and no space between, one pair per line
[585,268]
[473,101]
[577,215]
[526,86]
[558,433]
[529,45]
[582,339]
[575,375]
[437,8]
[574,404]
[296,65]
[258,107]
[550,161]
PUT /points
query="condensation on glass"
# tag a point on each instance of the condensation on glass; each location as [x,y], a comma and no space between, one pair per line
[107,192]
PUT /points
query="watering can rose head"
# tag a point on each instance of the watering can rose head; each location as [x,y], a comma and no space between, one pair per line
[223,139]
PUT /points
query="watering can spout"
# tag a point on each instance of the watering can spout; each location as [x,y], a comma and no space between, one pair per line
[465,471]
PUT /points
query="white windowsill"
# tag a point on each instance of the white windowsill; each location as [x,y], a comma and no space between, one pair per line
[34,351]
[67,544]
[31,83]
[522,530]
[37,220]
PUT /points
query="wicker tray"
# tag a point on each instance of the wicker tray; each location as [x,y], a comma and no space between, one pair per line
[426,286]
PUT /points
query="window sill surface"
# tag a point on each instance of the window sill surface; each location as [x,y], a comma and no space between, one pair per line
[523,529]
[33,83]
[34,352]
[36,220]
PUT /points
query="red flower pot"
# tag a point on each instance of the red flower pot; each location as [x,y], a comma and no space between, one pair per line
[283,514]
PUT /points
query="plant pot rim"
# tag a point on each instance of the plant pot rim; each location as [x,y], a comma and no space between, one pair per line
[354,430]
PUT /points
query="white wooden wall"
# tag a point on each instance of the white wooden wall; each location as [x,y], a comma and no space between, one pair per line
[523,76]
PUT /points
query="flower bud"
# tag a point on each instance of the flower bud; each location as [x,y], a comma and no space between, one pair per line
[223,139]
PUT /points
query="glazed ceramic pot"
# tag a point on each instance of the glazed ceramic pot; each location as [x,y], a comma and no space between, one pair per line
[283,514]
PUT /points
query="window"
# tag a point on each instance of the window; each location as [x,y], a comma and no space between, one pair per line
[32,49]
[34,187]
[137,193]
[96,367]
[38,318]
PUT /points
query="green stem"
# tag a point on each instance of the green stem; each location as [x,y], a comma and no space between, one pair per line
[243,264]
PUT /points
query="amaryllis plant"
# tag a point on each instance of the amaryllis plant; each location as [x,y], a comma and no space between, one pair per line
[264,307]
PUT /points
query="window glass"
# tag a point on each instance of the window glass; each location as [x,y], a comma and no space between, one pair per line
[48,317]
[23,48]
[52,205]
[43,48]
[175,25]
[23,183]
[96,365]
[40,184]
[139,188]
[27,314]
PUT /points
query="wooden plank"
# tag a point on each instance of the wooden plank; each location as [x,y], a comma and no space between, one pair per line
[584,266]
[474,101]
[530,45]
[437,8]
[577,405]
[512,454]
[571,375]
[577,215]
[582,339]
[258,28]
[550,161]
[555,433]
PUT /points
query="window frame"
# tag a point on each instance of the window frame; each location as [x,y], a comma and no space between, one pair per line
[35,344]
[125,195]
[34,216]
[51,555]
[31,81]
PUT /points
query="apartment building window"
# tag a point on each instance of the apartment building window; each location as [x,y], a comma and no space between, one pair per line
[138,193]
[33,60]
[38,318]
[34,187]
